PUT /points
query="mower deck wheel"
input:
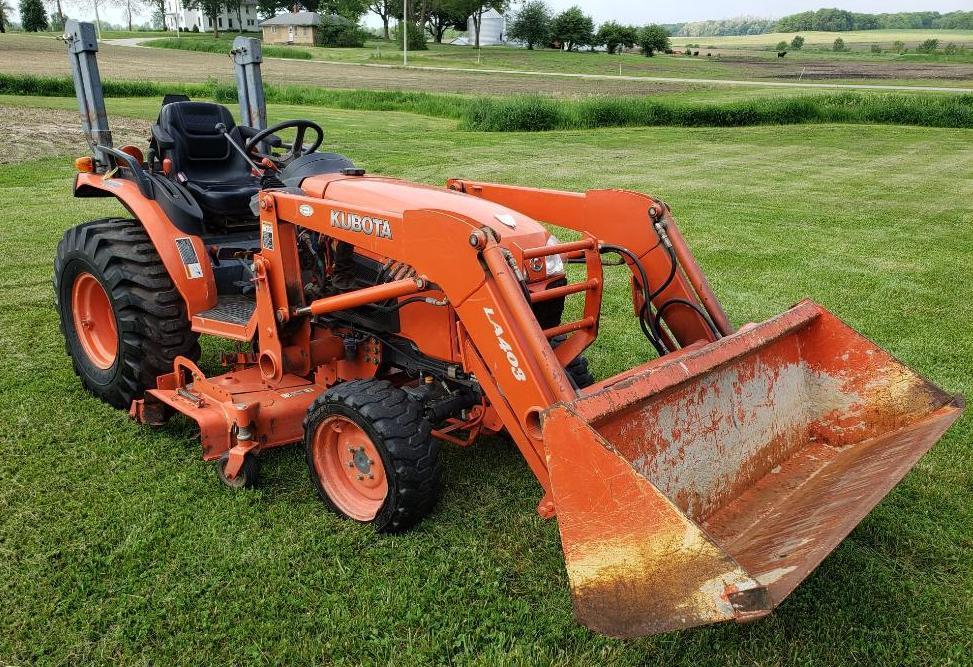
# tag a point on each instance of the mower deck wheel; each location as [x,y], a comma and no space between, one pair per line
[246,478]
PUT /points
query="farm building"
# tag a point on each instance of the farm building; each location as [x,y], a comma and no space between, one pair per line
[292,28]
[493,30]
[178,16]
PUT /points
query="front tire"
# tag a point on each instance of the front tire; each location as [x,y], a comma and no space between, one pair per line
[123,320]
[371,455]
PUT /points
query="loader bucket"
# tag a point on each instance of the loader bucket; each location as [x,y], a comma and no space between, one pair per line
[706,485]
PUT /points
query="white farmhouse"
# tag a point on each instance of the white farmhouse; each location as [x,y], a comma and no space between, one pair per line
[179,17]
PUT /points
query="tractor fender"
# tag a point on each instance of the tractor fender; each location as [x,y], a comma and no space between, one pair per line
[184,255]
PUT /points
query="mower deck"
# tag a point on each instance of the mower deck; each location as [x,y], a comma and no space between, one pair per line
[214,404]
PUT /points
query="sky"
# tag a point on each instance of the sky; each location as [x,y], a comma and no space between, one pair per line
[634,12]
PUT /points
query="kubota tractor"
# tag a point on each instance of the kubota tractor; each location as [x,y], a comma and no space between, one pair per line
[377,318]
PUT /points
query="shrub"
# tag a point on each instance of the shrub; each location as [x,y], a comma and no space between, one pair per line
[338,31]
[573,28]
[951,49]
[875,48]
[781,46]
[417,37]
[195,28]
[839,45]
[614,36]
[222,46]
[899,46]
[272,51]
[33,18]
[532,24]
[652,38]
[928,46]
[515,114]
[797,43]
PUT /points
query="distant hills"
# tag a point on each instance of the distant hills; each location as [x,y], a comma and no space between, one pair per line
[827,20]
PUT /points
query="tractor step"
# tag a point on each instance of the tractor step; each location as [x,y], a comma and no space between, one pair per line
[232,317]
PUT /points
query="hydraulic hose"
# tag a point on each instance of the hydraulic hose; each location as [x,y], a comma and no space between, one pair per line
[645,313]
[689,304]
[672,272]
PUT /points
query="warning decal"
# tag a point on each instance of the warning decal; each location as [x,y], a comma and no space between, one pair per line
[189,257]
[267,235]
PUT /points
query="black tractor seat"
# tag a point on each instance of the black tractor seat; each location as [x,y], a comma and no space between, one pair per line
[217,176]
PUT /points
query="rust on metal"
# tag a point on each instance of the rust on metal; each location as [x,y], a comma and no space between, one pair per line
[708,484]
[636,564]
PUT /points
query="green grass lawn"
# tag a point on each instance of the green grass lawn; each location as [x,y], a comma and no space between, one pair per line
[119,545]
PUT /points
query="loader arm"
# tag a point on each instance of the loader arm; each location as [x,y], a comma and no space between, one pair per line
[627,219]
[501,341]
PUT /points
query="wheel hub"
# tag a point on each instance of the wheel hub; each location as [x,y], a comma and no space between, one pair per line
[360,460]
[350,467]
[94,320]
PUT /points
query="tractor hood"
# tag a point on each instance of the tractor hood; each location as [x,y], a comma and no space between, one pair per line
[397,196]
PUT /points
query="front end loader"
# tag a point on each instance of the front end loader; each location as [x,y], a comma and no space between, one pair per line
[372,319]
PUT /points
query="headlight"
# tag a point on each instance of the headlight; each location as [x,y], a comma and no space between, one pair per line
[553,263]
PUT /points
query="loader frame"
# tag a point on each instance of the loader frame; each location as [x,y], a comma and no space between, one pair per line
[498,340]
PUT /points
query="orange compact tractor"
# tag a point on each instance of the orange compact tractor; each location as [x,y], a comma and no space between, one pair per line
[378,318]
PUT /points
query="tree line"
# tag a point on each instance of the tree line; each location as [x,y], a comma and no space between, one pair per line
[840,20]
[829,20]
[742,25]
[537,25]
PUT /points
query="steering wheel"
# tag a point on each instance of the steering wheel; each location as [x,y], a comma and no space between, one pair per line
[296,149]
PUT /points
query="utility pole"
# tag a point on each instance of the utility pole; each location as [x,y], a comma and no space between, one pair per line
[97,19]
[405,33]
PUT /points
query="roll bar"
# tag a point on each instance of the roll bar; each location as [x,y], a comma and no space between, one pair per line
[247,56]
[82,47]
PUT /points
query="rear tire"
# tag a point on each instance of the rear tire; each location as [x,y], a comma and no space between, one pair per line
[577,368]
[113,259]
[371,456]
[579,373]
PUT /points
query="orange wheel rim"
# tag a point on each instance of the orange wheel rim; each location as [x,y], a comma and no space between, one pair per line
[94,320]
[349,467]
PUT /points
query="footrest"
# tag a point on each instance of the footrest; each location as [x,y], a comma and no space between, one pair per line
[231,317]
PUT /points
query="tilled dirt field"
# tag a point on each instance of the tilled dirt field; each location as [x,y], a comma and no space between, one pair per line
[816,70]
[27,133]
[33,55]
